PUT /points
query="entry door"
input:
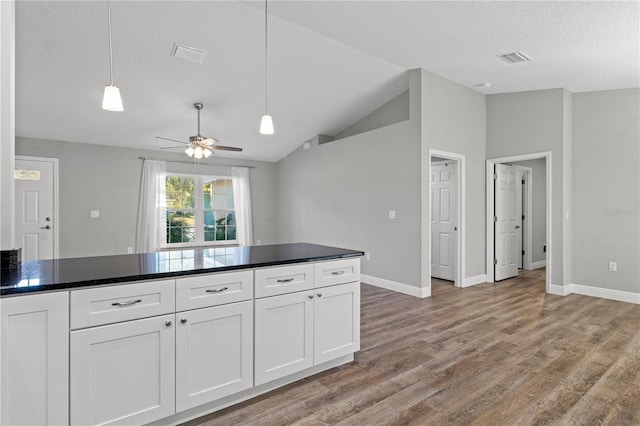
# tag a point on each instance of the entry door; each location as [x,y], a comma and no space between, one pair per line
[505,222]
[444,209]
[34,183]
[519,211]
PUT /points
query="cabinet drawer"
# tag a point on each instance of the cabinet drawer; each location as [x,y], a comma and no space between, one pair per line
[105,305]
[284,279]
[216,289]
[336,272]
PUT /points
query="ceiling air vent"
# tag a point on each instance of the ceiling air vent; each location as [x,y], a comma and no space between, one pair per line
[515,57]
[188,53]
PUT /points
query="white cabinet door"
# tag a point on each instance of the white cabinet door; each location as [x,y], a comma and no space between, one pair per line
[336,321]
[214,353]
[284,335]
[123,373]
[34,359]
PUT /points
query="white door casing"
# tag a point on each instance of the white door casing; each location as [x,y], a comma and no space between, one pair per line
[36,205]
[506,264]
[443,216]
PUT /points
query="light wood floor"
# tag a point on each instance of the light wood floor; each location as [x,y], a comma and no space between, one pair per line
[494,354]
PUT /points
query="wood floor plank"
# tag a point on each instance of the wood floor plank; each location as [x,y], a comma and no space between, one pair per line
[503,353]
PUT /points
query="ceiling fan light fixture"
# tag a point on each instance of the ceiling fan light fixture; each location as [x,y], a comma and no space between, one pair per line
[112,101]
[207,153]
[266,125]
[189,151]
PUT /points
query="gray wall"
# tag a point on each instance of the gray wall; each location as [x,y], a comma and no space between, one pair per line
[97,177]
[453,120]
[394,111]
[606,182]
[340,193]
[527,122]
[538,206]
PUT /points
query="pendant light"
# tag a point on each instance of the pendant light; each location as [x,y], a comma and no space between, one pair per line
[266,124]
[111,101]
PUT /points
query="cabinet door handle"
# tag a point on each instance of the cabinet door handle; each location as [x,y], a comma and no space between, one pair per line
[183,320]
[310,296]
[337,273]
[217,290]
[168,323]
[319,294]
[129,303]
[286,280]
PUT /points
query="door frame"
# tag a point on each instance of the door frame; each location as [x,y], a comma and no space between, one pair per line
[547,155]
[56,195]
[460,234]
[527,230]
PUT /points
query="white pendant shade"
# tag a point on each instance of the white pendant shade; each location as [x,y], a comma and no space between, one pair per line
[189,151]
[206,153]
[266,125]
[112,100]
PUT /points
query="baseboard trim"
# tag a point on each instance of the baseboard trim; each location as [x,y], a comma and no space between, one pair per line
[606,293]
[396,286]
[559,290]
[539,264]
[478,279]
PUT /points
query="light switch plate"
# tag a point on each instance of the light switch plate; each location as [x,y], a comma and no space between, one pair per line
[392,214]
[95,214]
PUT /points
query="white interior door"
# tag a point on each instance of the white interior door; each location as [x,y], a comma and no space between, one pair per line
[505,222]
[35,221]
[443,216]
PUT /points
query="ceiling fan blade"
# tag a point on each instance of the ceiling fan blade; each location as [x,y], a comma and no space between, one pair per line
[172,147]
[209,141]
[225,148]
[172,140]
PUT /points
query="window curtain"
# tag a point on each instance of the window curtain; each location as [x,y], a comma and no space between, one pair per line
[151,229]
[242,198]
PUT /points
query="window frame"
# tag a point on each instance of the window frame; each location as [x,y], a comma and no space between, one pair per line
[198,213]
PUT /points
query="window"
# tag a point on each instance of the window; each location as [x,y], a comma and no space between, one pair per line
[200,210]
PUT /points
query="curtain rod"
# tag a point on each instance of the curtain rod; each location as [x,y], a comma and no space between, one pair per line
[197,164]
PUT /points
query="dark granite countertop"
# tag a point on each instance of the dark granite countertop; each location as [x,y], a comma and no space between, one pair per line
[61,274]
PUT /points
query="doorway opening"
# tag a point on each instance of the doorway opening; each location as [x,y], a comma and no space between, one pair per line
[446,216]
[36,186]
[518,215]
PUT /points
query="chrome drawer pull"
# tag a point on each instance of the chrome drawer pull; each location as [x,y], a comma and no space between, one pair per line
[129,303]
[337,273]
[217,290]
[287,280]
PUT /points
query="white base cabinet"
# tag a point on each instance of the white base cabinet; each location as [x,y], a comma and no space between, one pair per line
[336,321]
[123,374]
[284,335]
[214,353]
[34,359]
[296,331]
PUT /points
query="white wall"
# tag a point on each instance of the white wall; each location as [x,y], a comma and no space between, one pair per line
[528,122]
[105,178]
[606,182]
[7,124]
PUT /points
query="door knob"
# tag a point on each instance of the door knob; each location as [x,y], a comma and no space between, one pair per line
[517,226]
[48,219]
[46,227]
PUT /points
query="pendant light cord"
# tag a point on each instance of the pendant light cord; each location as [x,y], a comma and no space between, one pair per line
[110,48]
[266,104]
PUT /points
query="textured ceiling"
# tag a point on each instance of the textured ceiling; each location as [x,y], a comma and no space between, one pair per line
[331,62]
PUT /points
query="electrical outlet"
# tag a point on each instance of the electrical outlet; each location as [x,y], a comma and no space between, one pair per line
[368,256]
[613,266]
[95,214]
[129,250]
[392,214]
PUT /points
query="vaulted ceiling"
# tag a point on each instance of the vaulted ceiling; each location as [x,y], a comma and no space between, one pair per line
[330,62]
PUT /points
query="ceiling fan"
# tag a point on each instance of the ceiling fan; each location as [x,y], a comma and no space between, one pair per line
[199,146]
